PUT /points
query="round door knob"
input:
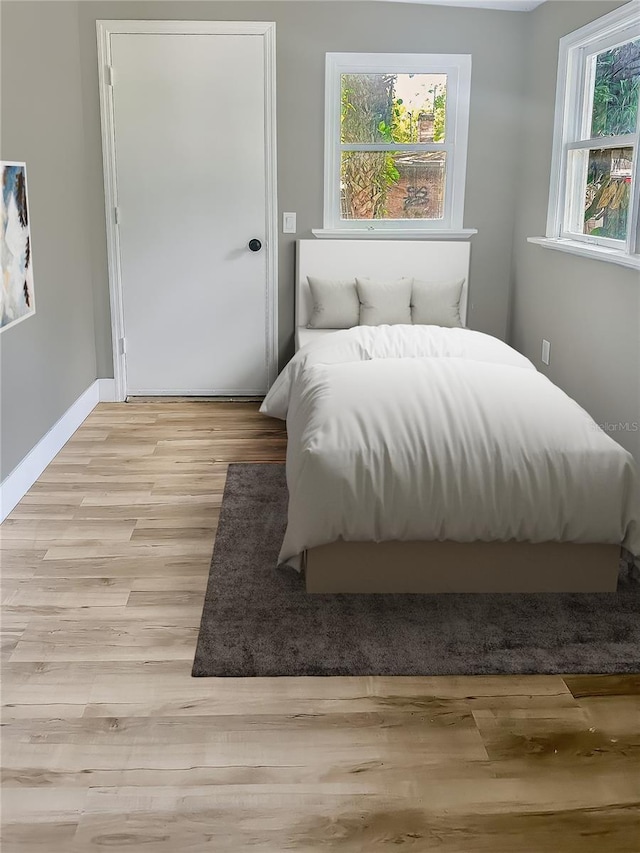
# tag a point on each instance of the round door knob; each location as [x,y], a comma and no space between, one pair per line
[255,245]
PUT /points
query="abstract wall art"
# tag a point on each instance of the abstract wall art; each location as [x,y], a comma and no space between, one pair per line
[16,294]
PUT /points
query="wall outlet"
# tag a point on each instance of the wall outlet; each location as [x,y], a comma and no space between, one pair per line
[546,351]
[288,223]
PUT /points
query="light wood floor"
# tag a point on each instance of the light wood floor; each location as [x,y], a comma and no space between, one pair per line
[110,745]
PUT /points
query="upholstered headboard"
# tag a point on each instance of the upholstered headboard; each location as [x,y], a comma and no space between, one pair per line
[427,260]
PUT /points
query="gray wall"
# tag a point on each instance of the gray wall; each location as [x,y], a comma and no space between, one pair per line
[47,360]
[587,309]
[50,118]
[305,32]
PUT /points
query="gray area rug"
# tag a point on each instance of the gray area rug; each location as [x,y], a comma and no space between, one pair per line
[259,621]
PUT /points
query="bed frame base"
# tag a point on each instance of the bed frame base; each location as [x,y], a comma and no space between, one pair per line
[436,567]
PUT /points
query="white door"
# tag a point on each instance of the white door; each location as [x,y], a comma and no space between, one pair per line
[189,134]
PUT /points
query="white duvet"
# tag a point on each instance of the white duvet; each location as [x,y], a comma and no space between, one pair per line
[423,433]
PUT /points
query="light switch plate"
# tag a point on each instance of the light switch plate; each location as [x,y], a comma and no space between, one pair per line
[288,223]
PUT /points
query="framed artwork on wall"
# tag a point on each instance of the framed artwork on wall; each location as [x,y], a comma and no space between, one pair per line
[16,293]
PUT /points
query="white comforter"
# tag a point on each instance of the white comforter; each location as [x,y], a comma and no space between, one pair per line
[420,432]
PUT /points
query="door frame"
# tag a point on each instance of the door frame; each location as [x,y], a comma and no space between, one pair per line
[266,29]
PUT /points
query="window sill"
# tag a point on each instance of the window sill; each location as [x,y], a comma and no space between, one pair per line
[396,234]
[587,250]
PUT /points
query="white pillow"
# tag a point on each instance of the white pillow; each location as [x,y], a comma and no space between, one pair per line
[437,303]
[383,302]
[335,304]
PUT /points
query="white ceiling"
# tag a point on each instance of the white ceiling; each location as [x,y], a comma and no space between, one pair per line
[510,5]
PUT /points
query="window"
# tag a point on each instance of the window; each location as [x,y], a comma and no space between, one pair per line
[395,142]
[594,195]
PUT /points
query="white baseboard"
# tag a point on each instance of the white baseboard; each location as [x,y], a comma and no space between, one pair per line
[24,475]
[107,390]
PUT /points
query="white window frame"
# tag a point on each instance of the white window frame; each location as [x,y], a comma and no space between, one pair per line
[571,126]
[457,67]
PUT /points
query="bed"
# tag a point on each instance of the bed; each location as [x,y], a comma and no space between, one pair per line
[424,459]
[377,258]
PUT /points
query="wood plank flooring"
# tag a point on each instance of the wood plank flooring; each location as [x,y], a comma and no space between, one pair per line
[110,745]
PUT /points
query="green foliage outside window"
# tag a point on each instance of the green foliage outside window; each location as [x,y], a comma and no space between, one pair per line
[616,90]
[616,96]
[371,112]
